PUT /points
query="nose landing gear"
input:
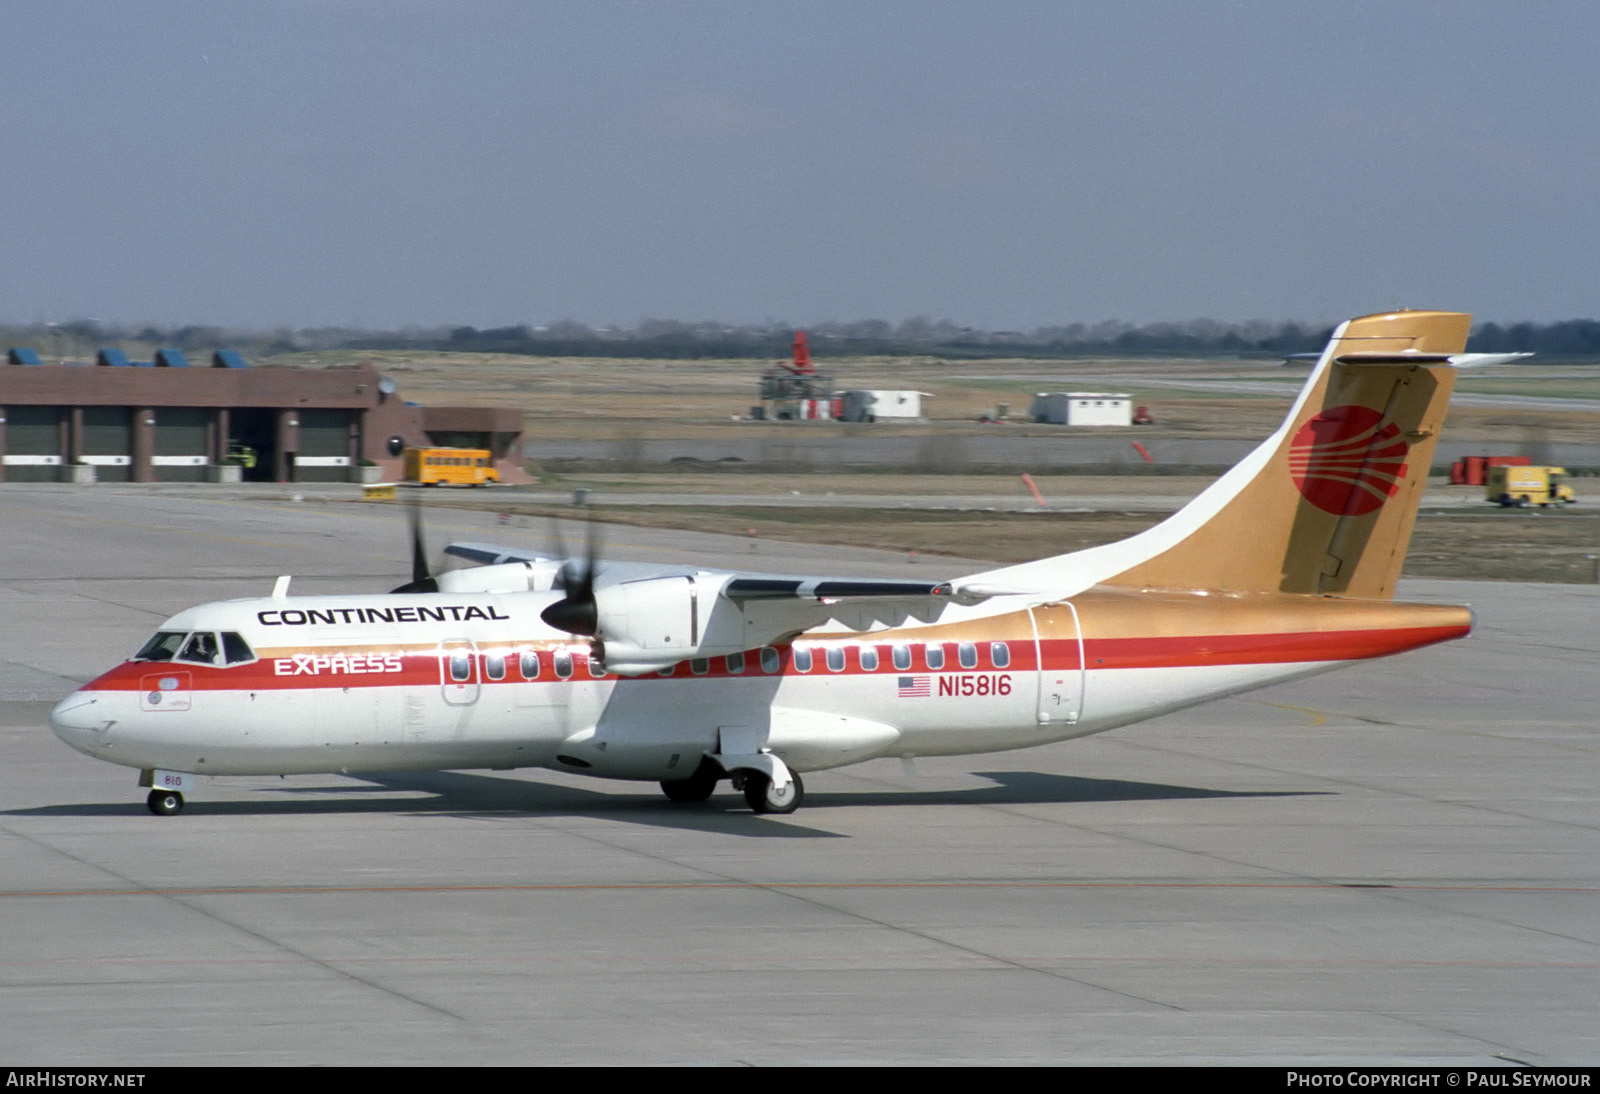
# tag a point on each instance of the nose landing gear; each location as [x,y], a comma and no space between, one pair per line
[165,803]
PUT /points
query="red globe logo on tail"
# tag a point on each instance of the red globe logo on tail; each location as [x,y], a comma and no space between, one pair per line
[1348,460]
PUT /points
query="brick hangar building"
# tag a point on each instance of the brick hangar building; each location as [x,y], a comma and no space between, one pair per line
[166,421]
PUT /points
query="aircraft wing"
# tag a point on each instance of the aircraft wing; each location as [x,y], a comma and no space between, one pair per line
[630,607]
[742,587]
[490,554]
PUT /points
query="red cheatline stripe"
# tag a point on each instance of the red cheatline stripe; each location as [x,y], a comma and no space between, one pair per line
[1260,649]
[1179,651]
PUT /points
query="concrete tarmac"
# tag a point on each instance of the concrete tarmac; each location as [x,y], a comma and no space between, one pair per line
[1396,863]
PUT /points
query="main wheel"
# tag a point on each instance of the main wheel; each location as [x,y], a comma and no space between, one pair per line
[165,803]
[697,787]
[758,792]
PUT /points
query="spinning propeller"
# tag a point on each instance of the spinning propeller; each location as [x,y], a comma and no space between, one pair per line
[577,613]
[422,581]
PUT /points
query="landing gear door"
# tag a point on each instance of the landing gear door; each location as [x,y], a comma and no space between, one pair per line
[458,671]
[1058,651]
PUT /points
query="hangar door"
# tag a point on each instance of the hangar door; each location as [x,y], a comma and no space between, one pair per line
[180,449]
[108,442]
[324,454]
[33,443]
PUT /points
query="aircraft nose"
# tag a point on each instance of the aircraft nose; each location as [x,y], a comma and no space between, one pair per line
[79,720]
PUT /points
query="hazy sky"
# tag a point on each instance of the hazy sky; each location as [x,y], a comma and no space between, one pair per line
[1000,164]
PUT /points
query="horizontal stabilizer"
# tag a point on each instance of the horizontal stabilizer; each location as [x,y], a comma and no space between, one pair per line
[1393,359]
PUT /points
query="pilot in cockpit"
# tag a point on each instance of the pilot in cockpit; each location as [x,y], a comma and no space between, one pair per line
[202,649]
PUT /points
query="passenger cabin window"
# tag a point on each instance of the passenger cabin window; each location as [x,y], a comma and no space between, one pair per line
[835,658]
[700,666]
[802,659]
[494,666]
[935,655]
[1000,654]
[902,656]
[460,666]
[563,664]
[770,660]
[529,665]
[869,658]
[597,667]
[967,653]
[736,663]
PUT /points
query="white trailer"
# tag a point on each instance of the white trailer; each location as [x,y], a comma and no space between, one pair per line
[872,406]
[1082,408]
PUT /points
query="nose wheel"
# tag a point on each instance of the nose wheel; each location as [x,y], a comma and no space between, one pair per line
[165,803]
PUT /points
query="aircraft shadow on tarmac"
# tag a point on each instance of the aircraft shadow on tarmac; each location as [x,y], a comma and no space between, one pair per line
[474,795]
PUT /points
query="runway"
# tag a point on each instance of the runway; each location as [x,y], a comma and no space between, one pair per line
[1395,863]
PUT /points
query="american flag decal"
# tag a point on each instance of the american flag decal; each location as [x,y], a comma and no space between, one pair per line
[913,687]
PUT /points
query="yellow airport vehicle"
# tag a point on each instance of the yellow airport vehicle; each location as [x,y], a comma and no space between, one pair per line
[450,466]
[1518,486]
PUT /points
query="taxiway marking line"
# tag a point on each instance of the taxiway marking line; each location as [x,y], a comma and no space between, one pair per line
[316,890]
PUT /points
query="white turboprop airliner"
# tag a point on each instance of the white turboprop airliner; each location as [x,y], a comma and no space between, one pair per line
[1283,568]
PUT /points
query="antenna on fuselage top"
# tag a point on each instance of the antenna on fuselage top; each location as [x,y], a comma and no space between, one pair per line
[280,588]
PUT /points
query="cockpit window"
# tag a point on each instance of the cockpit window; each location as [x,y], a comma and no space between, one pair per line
[201,649]
[235,649]
[163,647]
[198,648]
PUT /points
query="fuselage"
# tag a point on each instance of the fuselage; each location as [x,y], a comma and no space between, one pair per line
[452,680]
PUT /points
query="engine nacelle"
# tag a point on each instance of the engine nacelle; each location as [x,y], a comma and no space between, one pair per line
[649,624]
[627,659]
[651,614]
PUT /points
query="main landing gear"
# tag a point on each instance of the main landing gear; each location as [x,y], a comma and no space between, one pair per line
[697,787]
[165,803]
[757,787]
[758,791]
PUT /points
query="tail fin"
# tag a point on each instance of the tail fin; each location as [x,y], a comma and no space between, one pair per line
[1326,504]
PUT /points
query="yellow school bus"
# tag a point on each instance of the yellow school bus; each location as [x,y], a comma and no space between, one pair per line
[453,466]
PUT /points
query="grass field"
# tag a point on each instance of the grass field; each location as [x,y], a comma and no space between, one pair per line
[625,399]
[1488,544]
[583,397]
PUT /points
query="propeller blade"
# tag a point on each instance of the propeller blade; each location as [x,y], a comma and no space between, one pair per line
[577,613]
[421,580]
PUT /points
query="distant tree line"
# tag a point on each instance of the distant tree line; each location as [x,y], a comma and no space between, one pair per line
[1573,337]
[672,339]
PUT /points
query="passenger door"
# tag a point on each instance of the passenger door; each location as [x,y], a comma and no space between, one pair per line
[458,671]
[1058,651]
